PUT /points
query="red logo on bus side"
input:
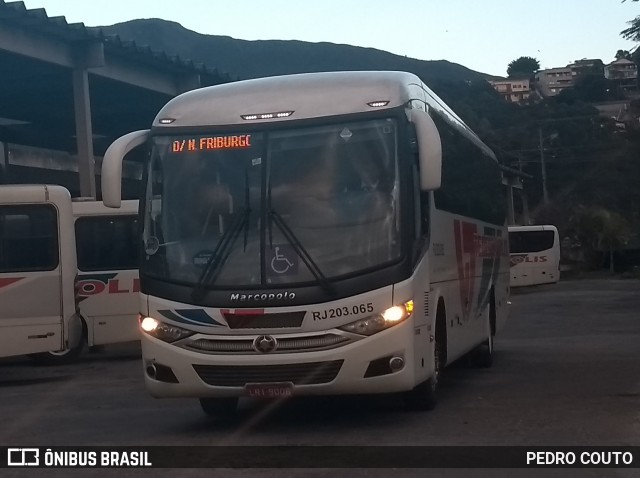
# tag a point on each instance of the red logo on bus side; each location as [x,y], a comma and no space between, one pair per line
[516,259]
[466,244]
[89,287]
[473,248]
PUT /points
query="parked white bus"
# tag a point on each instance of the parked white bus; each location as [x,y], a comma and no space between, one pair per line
[107,285]
[37,270]
[65,262]
[535,255]
[325,233]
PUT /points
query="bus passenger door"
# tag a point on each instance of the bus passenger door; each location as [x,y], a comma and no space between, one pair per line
[108,277]
[109,302]
[31,310]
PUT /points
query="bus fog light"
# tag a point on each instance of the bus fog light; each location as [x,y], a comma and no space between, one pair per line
[151,371]
[396,363]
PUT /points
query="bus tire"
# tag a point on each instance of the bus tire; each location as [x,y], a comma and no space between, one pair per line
[62,357]
[425,395]
[484,353]
[219,407]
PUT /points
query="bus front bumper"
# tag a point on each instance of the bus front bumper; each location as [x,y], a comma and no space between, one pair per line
[362,366]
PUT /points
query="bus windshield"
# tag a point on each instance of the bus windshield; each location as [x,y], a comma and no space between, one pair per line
[274,207]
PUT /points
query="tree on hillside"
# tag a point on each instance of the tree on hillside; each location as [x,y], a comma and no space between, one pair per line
[601,230]
[591,88]
[633,32]
[623,54]
[523,67]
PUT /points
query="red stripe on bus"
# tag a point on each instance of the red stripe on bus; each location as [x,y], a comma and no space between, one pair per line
[242,312]
[250,311]
[9,281]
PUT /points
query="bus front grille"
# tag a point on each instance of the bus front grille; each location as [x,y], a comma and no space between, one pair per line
[311,373]
[244,345]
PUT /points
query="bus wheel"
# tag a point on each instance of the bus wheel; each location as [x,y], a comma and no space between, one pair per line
[424,395]
[483,356]
[60,357]
[220,408]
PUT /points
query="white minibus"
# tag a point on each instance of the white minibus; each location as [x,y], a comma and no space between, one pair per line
[534,255]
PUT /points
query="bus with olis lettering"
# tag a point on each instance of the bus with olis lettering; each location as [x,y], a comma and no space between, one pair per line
[534,254]
[323,233]
[107,285]
[68,273]
[37,271]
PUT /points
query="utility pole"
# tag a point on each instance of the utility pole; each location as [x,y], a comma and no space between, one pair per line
[545,194]
[523,197]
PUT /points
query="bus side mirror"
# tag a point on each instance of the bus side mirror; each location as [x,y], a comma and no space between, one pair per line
[429,150]
[112,166]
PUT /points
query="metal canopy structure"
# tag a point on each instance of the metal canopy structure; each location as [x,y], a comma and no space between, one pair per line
[67,91]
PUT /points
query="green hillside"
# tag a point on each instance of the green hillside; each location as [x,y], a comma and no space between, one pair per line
[252,59]
[592,167]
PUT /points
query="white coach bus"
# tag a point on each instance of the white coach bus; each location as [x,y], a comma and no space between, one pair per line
[107,285]
[325,233]
[67,266]
[535,255]
[37,271]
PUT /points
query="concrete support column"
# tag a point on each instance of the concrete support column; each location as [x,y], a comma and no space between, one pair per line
[511,212]
[525,208]
[4,163]
[84,133]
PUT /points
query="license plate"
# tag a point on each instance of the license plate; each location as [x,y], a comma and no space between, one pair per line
[269,390]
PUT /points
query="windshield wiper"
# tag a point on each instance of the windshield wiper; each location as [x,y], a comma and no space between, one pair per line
[302,252]
[221,253]
[225,245]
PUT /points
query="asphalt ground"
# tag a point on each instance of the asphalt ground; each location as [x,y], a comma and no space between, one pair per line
[566,373]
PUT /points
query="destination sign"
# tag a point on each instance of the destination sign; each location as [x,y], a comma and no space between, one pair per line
[211,143]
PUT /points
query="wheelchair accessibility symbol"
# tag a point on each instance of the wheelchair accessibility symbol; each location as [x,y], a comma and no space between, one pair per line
[284,260]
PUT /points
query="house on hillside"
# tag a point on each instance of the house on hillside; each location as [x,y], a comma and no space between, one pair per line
[513,91]
[592,66]
[624,73]
[554,80]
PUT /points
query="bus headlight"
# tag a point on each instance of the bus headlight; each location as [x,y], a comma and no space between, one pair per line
[162,331]
[376,323]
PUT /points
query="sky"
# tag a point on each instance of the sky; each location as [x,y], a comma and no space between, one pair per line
[484,35]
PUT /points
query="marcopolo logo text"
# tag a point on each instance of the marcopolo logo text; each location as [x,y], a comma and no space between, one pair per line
[265,296]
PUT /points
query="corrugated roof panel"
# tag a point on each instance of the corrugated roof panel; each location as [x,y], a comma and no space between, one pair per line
[58,26]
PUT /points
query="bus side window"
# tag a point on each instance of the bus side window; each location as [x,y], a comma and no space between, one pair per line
[28,238]
[107,243]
